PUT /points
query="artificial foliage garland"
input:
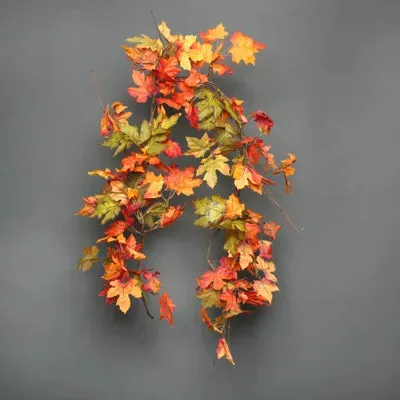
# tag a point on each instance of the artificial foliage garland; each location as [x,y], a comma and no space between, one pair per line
[173,73]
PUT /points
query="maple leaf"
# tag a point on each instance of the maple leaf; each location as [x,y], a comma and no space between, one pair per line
[209,167]
[209,297]
[173,150]
[146,42]
[266,249]
[133,248]
[198,147]
[166,308]
[106,208]
[89,258]
[182,181]
[263,122]
[89,207]
[106,174]
[155,183]
[123,290]
[116,228]
[265,288]
[246,176]
[224,351]
[168,68]
[246,255]
[212,210]
[271,229]
[153,284]
[172,214]
[228,296]
[244,48]
[114,266]
[286,168]
[117,191]
[268,267]
[145,86]
[216,278]
[241,175]
[192,115]
[234,208]
[213,34]
[147,57]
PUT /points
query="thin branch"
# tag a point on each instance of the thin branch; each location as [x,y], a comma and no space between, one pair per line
[144,301]
[96,88]
[146,307]
[281,209]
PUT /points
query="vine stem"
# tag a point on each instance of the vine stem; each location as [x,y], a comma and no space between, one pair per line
[144,300]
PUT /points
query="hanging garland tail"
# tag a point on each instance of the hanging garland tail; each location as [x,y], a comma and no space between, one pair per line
[173,73]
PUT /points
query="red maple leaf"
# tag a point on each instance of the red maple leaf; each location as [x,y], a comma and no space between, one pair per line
[216,278]
[263,121]
[229,298]
[166,308]
[173,150]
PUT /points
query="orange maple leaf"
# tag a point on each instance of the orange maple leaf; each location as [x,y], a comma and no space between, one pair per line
[213,34]
[166,308]
[286,168]
[271,229]
[244,48]
[182,181]
[172,214]
[123,290]
[155,183]
[234,208]
[89,207]
[145,86]
[224,351]
[133,248]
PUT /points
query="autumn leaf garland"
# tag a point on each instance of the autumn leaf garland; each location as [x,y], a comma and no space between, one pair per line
[173,74]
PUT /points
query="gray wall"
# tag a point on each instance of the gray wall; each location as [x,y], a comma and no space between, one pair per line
[330,79]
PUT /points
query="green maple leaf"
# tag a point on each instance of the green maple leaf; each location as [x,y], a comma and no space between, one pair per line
[208,297]
[233,224]
[209,167]
[163,124]
[232,239]
[227,136]
[124,139]
[156,145]
[89,258]
[106,209]
[211,209]
[198,147]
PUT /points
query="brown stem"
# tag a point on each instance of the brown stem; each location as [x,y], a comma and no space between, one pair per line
[287,216]
[144,301]
[96,88]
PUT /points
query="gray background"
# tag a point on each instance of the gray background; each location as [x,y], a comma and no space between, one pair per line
[330,80]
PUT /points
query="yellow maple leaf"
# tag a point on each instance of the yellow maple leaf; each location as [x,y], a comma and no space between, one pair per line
[214,34]
[244,48]
[265,289]
[241,175]
[123,290]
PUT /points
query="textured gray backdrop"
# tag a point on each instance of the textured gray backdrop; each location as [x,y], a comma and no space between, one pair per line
[330,79]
